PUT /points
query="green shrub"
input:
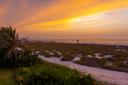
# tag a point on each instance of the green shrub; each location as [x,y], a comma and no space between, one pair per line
[67,56]
[50,74]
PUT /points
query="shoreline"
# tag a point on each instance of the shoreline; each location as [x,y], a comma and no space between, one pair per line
[107,44]
[122,42]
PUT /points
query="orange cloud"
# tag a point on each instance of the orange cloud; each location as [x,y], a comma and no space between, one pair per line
[65,10]
[49,15]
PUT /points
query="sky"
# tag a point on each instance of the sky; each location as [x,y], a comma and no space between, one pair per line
[66,19]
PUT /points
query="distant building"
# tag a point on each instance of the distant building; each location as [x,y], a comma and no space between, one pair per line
[77,41]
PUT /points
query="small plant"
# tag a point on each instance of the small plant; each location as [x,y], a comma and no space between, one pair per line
[67,56]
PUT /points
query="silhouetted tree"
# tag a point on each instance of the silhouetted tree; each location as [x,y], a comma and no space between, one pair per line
[13,51]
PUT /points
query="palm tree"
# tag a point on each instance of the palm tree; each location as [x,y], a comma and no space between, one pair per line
[13,52]
[9,41]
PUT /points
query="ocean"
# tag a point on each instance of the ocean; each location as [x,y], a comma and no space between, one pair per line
[92,41]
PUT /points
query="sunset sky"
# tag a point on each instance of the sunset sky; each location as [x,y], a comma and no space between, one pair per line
[66,19]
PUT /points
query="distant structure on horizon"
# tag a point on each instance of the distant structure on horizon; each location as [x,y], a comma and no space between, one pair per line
[77,41]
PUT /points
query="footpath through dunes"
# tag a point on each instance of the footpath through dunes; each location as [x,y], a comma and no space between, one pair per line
[113,77]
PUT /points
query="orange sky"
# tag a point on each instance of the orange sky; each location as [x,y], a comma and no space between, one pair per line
[55,19]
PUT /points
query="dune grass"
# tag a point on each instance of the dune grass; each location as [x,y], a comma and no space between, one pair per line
[52,74]
[47,74]
[118,61]
[6,77]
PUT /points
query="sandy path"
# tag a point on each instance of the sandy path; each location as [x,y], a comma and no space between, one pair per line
[119,78]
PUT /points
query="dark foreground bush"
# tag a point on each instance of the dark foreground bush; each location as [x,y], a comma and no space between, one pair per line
[13,52]
[49,74]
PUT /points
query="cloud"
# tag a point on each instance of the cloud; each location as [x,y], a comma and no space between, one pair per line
[106,19]
[111,23]
[56,15]
[58,10]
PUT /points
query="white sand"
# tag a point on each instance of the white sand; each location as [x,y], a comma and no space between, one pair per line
[114,77]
